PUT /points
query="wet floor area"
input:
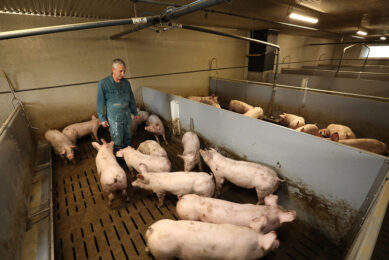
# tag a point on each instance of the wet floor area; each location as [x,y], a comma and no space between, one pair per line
[87,228]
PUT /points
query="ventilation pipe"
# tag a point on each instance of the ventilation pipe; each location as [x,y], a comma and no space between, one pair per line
[175,12]
[277,47]
[164,17]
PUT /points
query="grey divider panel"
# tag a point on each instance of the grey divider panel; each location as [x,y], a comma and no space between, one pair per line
[367,118]
[364,87]
[17,151]
[327,182]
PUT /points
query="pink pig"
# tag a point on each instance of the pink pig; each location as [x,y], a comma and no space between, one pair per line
[343,131]
[61,144]
[292,121]
[154,125]
[193,207]
[239,106]
[244,174]
[167,239]
[112,176]
[78,130]
[255,112]
[191,154]
[143,162]
[176,183]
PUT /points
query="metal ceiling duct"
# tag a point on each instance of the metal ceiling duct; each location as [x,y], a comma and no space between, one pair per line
[166,16]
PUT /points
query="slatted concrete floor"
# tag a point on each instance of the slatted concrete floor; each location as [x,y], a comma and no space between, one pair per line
[86,228]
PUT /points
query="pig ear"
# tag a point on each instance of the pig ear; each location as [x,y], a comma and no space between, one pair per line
[140,177]
[63,151]
[335,137]
[269,241]
[96,145]
[302,130]
[287,216]
[258,224]
[271,200]
[103,141]
[119,153]
[93,117]
[158,126]
[283,115]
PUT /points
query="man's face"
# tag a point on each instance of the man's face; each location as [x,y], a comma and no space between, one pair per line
[118,72]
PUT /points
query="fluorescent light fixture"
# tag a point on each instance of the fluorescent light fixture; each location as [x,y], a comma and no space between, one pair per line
[299,26]
[382,38]
[358,37]
[363,33]
[303,18]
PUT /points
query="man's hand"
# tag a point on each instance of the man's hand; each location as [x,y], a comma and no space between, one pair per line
[136,117]
[105,124]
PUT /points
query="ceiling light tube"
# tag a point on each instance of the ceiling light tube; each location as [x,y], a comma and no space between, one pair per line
[303,18]
[358,37]
[382,38]
[299,26]
[363,33]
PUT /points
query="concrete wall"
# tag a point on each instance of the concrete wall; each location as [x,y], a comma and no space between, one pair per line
[294,49]
[85,56]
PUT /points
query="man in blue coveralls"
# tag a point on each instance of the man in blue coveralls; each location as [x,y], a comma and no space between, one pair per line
[114,92]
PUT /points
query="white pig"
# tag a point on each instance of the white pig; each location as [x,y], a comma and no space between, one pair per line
[176,183]
[244,174]
[154,125]
[78,130]
[167,239]
[368,144]
[255,112]
[194,207]
[311,129]
[292,121]
[61,143]
[191,154]
[143,162]
[143,115]
[209,100]
[343,131]
[112,176]
[239,106]
[151,147]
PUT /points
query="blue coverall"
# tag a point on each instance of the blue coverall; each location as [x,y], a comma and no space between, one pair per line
[120,103]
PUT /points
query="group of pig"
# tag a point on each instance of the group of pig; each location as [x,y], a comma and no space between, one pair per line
[208,227]
[235,105]
[64,142]
[335,132]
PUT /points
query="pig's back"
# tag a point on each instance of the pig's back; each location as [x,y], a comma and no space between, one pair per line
[198,240]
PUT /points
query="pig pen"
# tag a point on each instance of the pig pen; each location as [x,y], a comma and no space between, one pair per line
[74,220]
[331,186]
[368,117]
[86,228]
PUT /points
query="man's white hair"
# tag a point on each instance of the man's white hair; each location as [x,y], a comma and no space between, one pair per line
[117,62]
